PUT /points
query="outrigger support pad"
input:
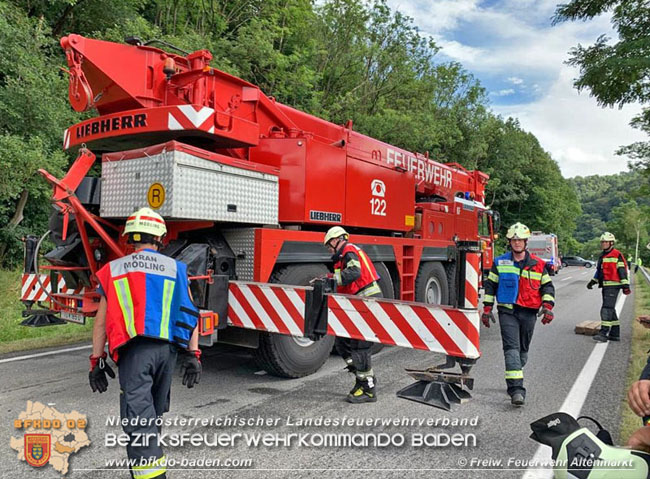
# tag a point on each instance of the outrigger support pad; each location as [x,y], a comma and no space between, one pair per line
[437,388]
[36,318]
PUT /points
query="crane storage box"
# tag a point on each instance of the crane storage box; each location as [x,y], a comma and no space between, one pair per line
[184,182]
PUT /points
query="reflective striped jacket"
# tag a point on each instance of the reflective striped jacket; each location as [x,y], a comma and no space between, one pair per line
[611,269]
[147,295]
[526,284]
[354,272]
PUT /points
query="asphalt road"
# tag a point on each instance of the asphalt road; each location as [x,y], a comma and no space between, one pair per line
[232,386]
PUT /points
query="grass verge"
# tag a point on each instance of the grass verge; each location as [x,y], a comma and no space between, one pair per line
[14,337]
[638,354]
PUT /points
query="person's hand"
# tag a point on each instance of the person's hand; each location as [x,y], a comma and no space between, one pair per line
[320,278]
[547,313]
[592,283]
[626,289]
[487,316]
[638,397]
[99,368]
[640,440]
[191,368]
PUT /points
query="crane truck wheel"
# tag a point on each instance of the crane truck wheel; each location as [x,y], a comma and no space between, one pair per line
[289,356]
[450,268]
[431,284]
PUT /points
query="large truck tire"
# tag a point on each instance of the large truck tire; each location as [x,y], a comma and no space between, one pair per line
[385,281]
[451,270]
[431,284]
[288,356]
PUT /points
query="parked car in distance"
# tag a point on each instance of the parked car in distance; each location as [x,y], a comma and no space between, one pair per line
[576,261]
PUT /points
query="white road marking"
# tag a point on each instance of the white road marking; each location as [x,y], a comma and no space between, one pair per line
[564,279]
[49,353]
[573,402]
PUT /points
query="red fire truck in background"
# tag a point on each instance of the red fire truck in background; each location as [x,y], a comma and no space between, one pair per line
[247,186]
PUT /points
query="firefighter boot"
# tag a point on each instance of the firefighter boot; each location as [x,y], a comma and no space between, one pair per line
[364,389]
[357,384]
[517,399]
[615,333]
[601,338]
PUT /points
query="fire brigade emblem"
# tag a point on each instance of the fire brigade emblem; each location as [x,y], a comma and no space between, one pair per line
[37,449]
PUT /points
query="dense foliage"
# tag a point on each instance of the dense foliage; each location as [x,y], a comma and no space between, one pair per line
[613,203]
[617,72]
[338,59]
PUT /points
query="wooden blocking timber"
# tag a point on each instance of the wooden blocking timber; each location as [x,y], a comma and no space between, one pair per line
[588,328]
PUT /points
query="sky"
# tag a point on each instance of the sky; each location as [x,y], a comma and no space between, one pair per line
[512,48]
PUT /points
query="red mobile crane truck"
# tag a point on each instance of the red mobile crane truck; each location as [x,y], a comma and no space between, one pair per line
[248,186]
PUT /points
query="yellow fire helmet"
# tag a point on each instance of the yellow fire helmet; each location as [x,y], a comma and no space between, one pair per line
[334,232]
[607,236]
[518,231]
[145,220]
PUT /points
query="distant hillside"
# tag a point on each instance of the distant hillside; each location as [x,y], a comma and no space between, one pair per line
[599,195]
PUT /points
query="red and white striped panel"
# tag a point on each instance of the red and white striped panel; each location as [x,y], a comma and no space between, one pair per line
[472,274]
[411,325]
[267,307]
[281,309]
[32,290]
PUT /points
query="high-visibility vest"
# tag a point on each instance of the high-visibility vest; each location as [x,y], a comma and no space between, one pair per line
[609,264]
[523,286]
[147,295]
[366,284]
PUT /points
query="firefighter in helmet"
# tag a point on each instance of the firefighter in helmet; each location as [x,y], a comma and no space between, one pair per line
[354,274]
[521,284]
[611,276]
[147,316]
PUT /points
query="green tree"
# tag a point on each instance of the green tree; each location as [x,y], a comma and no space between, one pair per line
[33,111]
[616,73]
[629,223]
[599,196]
[526,183]
[375,68]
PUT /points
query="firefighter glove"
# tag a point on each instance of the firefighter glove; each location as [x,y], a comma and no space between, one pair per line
[321,278]
[592,283]
[99,368]
[547,313]
[191,368]
[626,289]
[487,316]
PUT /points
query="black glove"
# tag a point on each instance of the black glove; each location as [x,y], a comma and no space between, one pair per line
[592,283]
[99,368]
[626,290]
[191,368]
